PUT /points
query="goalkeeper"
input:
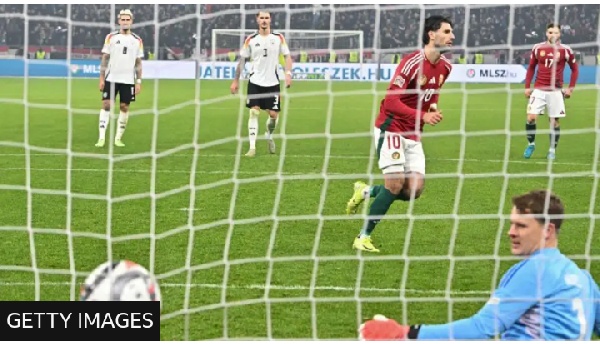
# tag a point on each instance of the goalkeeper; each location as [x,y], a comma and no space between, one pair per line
[543,297]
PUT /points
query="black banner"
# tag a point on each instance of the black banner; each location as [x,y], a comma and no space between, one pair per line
[78,320]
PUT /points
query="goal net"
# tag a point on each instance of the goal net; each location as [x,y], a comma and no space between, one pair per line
[324,47]
[261,248]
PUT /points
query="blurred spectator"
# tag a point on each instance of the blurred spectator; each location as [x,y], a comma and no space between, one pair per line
[183,28]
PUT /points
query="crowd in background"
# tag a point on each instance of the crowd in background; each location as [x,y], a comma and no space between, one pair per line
[486,28]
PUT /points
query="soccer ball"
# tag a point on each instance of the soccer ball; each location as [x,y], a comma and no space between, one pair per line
[120,281]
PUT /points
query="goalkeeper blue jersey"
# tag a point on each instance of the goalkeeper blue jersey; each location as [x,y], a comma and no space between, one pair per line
[544,297]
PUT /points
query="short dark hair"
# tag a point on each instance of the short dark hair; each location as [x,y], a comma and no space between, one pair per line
[543,205]
[553,25]
[434,23]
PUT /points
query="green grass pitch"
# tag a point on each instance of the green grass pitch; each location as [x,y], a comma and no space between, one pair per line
[286,260]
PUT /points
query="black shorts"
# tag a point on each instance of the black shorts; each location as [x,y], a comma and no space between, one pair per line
[267,98]
[126,92]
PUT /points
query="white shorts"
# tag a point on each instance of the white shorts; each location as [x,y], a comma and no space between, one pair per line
[398,154]
[553,101]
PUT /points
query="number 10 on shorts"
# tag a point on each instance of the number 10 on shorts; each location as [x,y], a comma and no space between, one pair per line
[394,142]
[392,152]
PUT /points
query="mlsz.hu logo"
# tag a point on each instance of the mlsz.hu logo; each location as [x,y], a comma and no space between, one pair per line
[470,73]
[74,68]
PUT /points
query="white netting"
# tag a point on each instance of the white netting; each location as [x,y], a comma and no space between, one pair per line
[322,46]
[262,248]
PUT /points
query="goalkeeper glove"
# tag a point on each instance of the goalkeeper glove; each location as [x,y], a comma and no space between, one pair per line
[382,328]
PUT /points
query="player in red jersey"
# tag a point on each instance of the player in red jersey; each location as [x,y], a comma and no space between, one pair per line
[550,57]
[410,102]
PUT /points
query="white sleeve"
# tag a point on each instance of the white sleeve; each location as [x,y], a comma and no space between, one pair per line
[106,47]
[141,49]
[245,51]
[283,48]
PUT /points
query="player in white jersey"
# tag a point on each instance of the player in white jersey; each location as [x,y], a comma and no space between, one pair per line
[120,73]
[263,49]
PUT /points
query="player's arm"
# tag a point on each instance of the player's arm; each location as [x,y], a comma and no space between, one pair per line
[449,71]
[515,295]
[104,65]
[239,68]
[511,300]
[138,70]
[572,61]
[105,57]
[244,54]
[533,61]
[436,97]
[288,63]
[285,51]
[392,102]
[405,73]
[596,303]
[138,62]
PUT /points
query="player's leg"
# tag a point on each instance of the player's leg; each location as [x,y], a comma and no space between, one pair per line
[104,118]
[252,103]
[362,191]
[537,103]
[271,125]
[384,195]
[556,111]
[126,96]
[414,182]
[391,162]
[412,187]
[554,137]
[414,179]
[273,103]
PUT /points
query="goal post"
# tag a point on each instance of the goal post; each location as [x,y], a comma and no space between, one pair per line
[313,51]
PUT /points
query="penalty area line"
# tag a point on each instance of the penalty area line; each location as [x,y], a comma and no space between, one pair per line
[277,287]
[322,157]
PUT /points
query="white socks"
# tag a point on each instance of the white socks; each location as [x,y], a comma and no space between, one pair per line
[122,123]
[253,127]
[103,124]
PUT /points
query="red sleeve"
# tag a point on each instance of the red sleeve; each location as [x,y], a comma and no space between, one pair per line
[531,69]
[392,102]
[436,96]
[448,72]
[572,61]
